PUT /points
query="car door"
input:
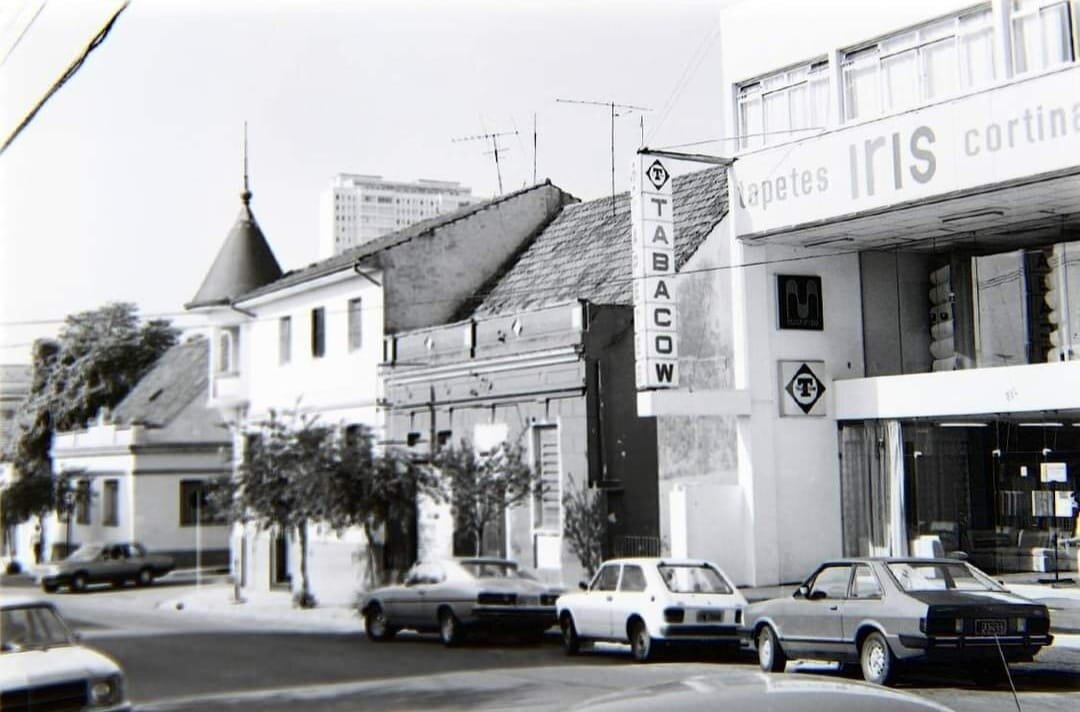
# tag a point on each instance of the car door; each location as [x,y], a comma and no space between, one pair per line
[864,602]
[416,601]
[109,565]
[593,617]
[628,599]
[814,623]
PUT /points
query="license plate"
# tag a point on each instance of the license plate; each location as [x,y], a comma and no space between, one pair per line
[710,616]
[990,627]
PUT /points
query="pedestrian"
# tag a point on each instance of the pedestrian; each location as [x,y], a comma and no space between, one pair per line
[35,543]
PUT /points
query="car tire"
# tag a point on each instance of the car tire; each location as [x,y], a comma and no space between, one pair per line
[642,645]
[146,577]
[450,630]
[876,659]
[78,582]
[571,642]
[771,657]
[376,626]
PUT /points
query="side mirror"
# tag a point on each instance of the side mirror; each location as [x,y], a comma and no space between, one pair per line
[802,591]
[583,586]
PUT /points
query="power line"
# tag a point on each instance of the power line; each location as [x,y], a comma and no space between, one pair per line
[23,33]
[68,74]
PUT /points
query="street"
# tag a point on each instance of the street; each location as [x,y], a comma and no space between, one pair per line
[178,660]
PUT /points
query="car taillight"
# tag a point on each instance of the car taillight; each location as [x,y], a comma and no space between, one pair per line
[548,599]
[942,626]
[674,615]
[1021,625]
[496,599]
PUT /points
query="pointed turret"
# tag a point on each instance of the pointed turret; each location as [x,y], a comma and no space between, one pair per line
[245,261]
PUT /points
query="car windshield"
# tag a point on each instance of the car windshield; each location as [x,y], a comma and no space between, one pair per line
[86,552]
[938,576]
[27,627]
[693,578]
[492,569]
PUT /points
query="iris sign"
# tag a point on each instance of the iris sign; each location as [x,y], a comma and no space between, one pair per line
[653,249]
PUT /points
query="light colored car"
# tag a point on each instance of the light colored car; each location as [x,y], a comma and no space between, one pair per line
[456,596]
[651,603]
[42,665]
[878,612]
[116,564]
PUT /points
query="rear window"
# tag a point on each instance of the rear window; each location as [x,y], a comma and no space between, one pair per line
[692,578]
[937,576]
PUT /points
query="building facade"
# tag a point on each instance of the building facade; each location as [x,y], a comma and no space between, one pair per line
[358,208]
[892,301]
[15,379]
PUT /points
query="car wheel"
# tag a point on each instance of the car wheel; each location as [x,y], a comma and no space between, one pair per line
[450,630]
[78,582]
[375,624]
[770,655]
[571,642]
[642,646]
[49,587]
[146,577]
[876,659]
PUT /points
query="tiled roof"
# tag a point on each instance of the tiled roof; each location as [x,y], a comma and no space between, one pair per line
[245,262]
[177,378]
[585,252]
[349,257]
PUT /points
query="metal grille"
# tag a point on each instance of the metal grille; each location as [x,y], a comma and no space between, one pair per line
[59,697]
[637,546]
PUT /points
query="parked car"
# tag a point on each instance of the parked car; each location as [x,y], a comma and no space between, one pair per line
[42,665]
[878,612]
[104,563]
[456,596]
[650,603]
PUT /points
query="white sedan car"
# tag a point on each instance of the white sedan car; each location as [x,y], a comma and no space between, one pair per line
[651,603]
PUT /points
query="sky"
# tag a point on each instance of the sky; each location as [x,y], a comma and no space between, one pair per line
[125,184]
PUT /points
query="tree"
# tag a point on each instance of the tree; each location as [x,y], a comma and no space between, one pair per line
[585,525]
[95,361]
[483,485]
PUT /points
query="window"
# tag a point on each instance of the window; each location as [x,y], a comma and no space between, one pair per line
[194,504]
[318,332]
[1041,34]
[693,578]
[226,352]
[355,330]
[284,340]
[865,584]
[831,582]
[109,504]
[82,502]
[607,578]
[919,65]
[547,502]
[784,105]
[633,579]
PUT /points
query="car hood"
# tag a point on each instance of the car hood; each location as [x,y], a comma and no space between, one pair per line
[752,691]
[32,668]
[969,598]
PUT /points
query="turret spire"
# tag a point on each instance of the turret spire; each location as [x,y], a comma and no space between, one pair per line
[246,195]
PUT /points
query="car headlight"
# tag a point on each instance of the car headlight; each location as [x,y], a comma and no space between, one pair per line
[107,691]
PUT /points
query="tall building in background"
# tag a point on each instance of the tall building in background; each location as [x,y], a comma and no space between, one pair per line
[359,208]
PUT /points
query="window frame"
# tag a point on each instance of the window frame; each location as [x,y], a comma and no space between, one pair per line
[318,332]
[804,75]
[83,494]
[1020,10]
[187,513]
[110,502]
[284,340]
[539,520]
[356,323]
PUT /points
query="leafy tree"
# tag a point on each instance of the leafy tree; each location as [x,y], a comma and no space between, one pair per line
[483,485]
[585,525]
[95,361]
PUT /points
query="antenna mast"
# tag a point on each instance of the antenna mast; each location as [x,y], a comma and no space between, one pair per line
[246,194]
[623,110]
[495,150]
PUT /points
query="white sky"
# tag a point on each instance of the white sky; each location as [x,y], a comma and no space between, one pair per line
[126,183]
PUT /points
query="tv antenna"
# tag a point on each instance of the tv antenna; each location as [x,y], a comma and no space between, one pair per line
[616,110]
[495,149]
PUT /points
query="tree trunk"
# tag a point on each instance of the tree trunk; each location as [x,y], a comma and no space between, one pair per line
[305,584]
[478,534]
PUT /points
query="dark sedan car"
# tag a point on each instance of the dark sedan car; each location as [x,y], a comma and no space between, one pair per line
[879,612]
[454,596]
[104,563]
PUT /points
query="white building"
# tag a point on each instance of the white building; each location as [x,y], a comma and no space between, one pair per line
[311,340]
[879,346]
[358,208]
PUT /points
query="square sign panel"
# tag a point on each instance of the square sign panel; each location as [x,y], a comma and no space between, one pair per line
[802,388]
[799,300]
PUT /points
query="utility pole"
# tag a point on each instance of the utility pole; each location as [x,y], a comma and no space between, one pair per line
[495,150]
[623,110]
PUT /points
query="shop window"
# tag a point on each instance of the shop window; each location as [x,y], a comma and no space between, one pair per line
[355,324]
[547,507]
[284,340]
[919,65]
[318,332]
[1041,34]
[784,105]
[110,502]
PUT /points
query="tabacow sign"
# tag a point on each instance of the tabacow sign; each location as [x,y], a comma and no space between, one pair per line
[652,228]
[802,388]
[1000,134]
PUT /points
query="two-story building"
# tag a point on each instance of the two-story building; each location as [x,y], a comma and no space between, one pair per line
[893,302]
[310,341]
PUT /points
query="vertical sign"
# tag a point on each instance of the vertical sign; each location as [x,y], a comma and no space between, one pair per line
[653,249]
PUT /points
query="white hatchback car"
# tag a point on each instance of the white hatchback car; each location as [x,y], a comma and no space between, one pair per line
[651,603]
[42,666]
